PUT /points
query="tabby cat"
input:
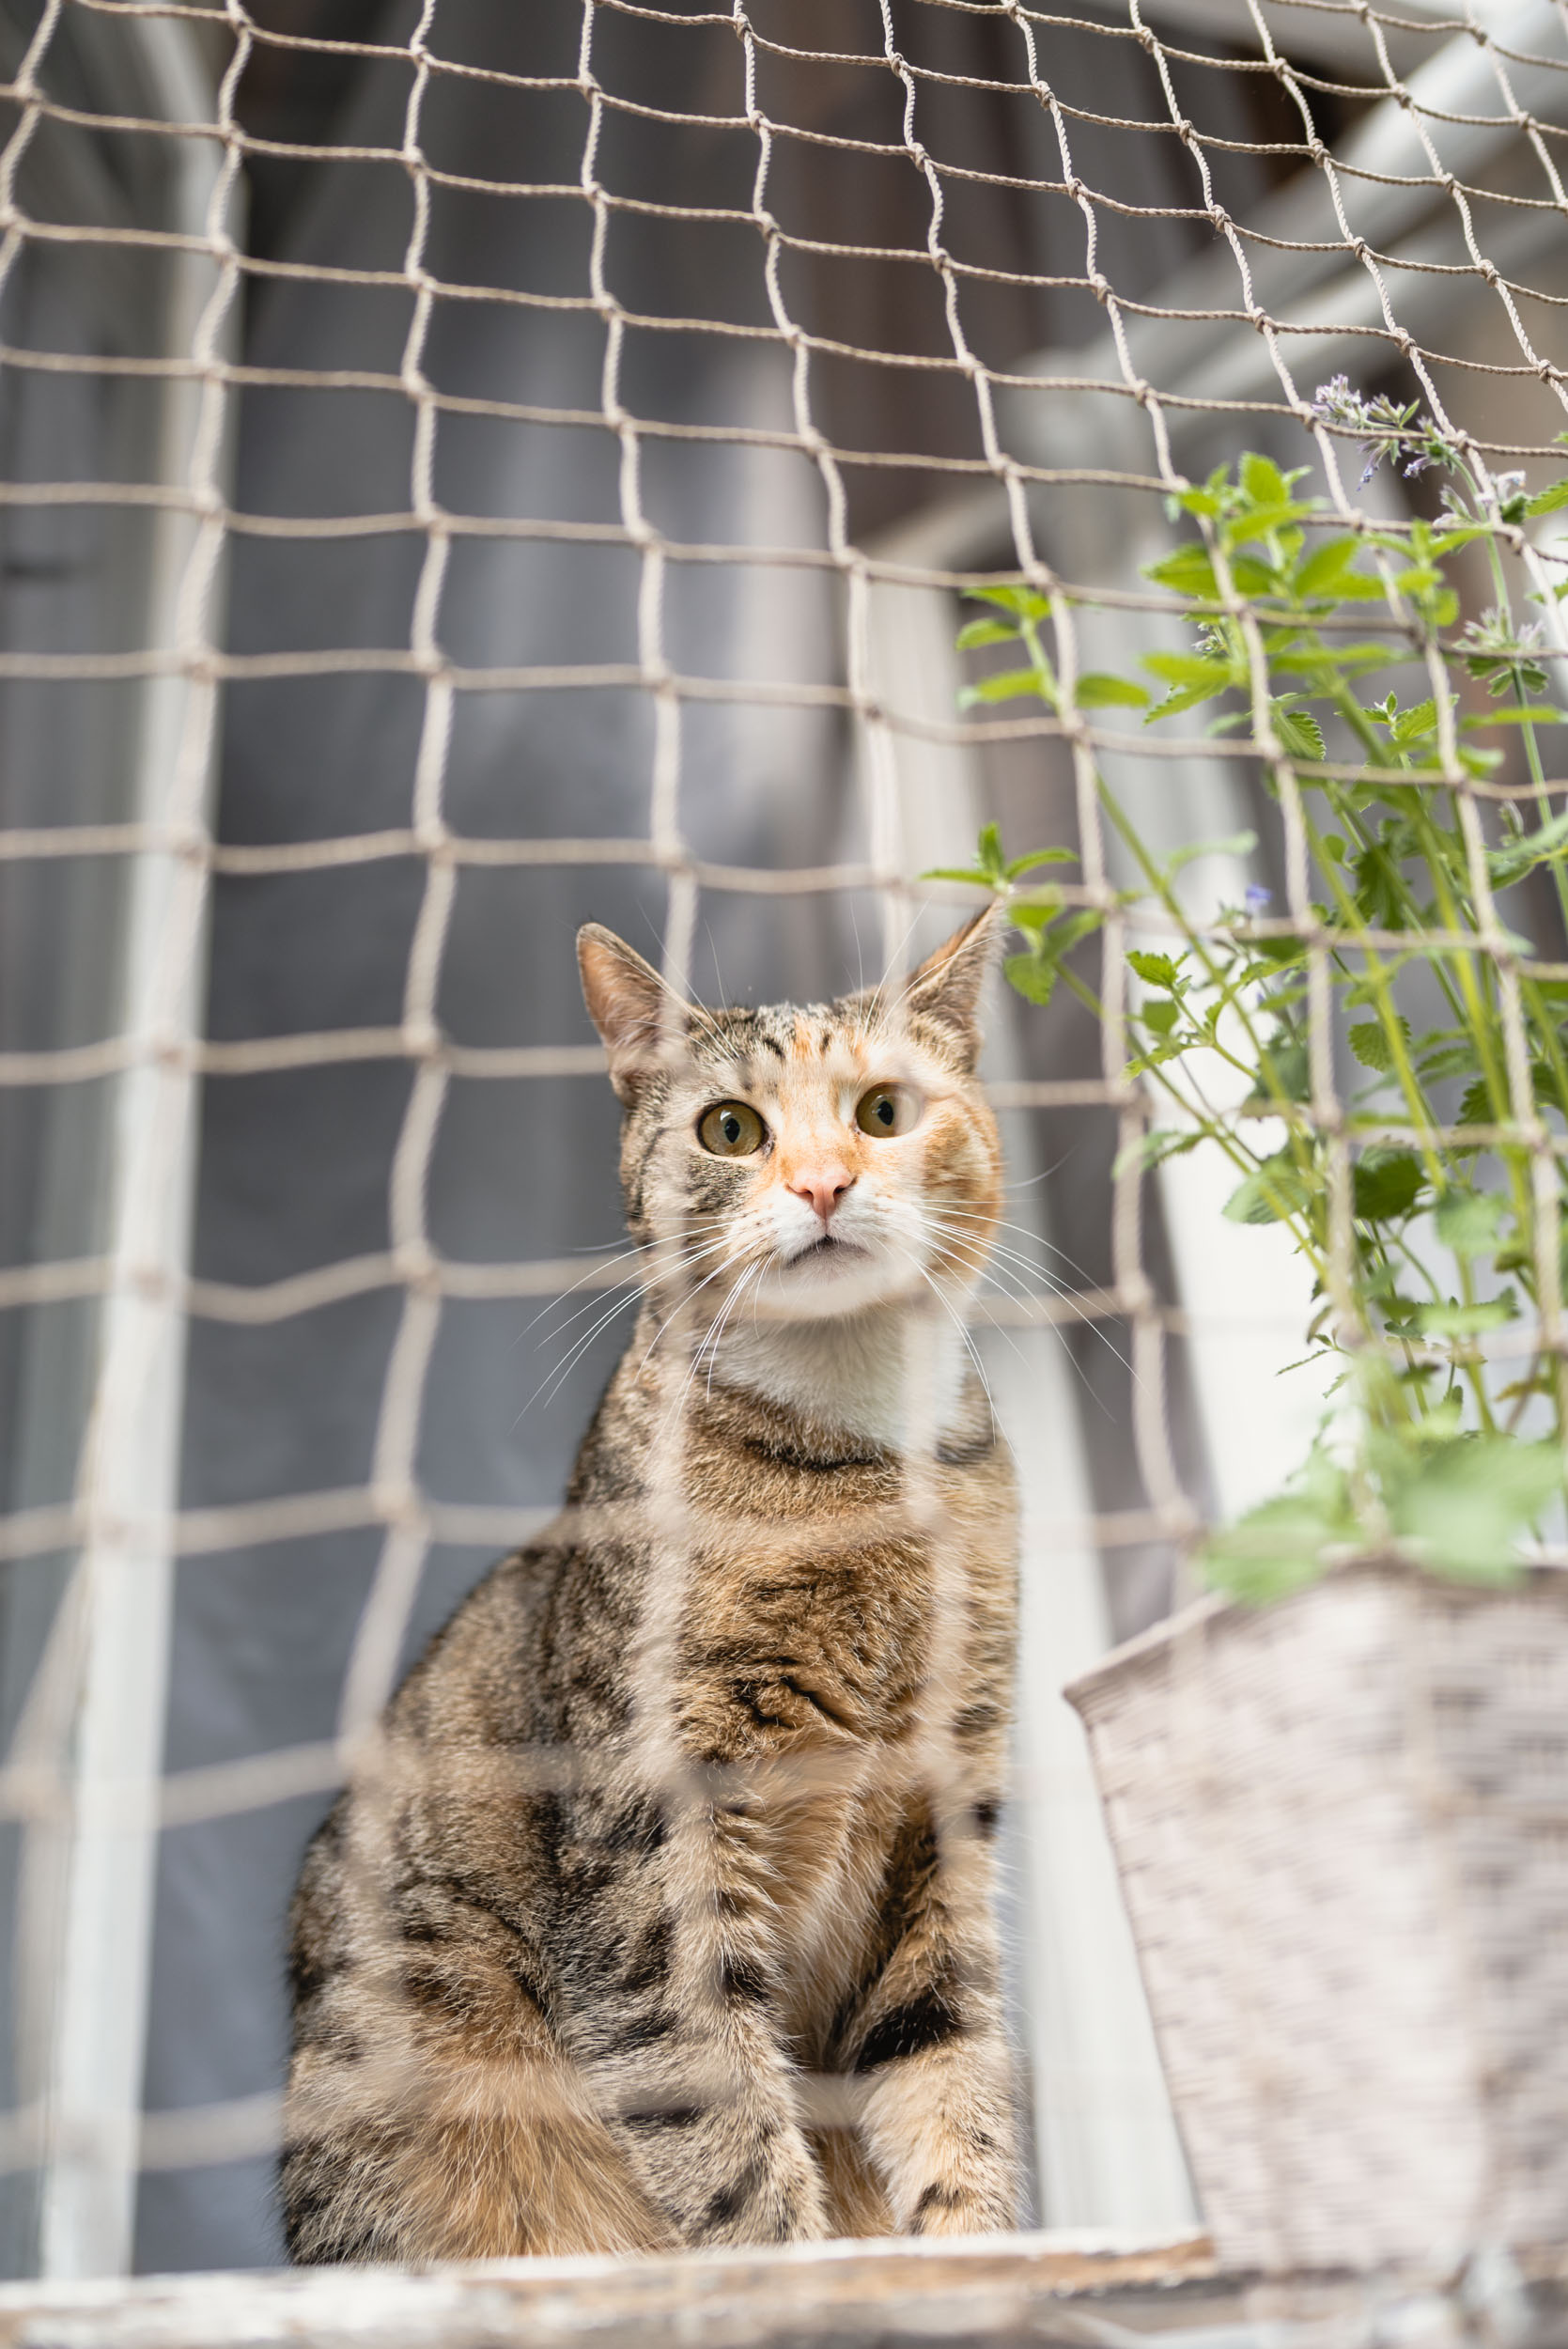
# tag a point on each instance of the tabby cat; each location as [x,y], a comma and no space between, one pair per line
[660,1912]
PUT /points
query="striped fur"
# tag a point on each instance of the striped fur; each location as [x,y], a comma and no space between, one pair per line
[661,1912]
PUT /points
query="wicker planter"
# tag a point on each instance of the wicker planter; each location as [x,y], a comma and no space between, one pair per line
[1342,1826]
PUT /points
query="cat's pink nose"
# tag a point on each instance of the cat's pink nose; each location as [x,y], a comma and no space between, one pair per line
[823,1186]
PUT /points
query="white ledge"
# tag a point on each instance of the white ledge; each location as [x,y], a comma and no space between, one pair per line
[1050,2291]
[996,2289]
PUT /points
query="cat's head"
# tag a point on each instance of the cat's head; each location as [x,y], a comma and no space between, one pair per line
[807,1160]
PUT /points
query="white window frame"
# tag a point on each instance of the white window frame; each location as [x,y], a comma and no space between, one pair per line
[111,1641]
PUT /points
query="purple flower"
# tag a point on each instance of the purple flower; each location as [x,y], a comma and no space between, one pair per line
[1385,430]
[1336,403]
[1258,898]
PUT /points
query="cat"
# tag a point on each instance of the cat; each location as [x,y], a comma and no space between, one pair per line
[660,1913]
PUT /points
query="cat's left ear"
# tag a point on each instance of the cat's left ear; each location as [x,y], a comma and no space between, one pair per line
[625,999]
[947,987]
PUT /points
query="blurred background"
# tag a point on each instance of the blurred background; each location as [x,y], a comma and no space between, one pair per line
[274,302]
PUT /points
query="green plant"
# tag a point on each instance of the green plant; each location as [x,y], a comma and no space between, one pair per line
[1423,1186]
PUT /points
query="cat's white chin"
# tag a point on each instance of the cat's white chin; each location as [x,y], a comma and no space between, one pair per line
[830,1278]
[880,1372]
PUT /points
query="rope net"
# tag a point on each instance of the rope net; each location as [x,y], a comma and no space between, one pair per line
[902,299]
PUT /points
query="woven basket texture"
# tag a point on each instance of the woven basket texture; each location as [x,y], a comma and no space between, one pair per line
[1341,1827]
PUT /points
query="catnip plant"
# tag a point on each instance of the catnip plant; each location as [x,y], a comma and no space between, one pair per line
[1415,1170]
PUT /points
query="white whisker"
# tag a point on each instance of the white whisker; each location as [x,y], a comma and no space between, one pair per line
[1066,1296]
[633,1280]
[1002,1224]
[555,1379]
[956,1320]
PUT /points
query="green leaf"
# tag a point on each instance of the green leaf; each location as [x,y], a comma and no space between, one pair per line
[975,633]
[958,872]
[1468,1497]
[1179,698]
[1321,572]
[1033,976]
[1036,912]
[1412,724]
[1548,501]
[1252,578]
[1355,588]
[1468,1221]
[1027,602]
[1192,502]
[1521,855]
[1156,969]
[1455,1320]
[1299,732]
[1017,864]
[1288,1074]
[1476,1109]
[1277,1547]
[1272,1191]
[1154,1147]
[1447,1060]
[1098,691]
[1264,520]
[1194,668]
[1538,714]
[1370,1044]
[1347,660]
[1160,1014]
[1008,685]
[1188,572]
[1157,1056]
[1077,925]
[1385,1185]
[1449,542]
[1263,481]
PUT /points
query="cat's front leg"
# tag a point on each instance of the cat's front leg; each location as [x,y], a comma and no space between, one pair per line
[718,2144]
[940,2125]
[695,2070]
[938,2117]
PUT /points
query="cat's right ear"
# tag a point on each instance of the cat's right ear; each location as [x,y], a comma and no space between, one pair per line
[625,999]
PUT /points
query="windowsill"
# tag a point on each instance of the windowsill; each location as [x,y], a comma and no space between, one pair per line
[1079,2292]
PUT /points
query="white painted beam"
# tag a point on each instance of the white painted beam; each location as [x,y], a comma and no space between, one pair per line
[1392,199]
[1107,2147]
[121,1597]
[1309,36]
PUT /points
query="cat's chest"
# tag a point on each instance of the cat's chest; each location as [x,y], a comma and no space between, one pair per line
[811,1600]
[811,1577]
[826,1644]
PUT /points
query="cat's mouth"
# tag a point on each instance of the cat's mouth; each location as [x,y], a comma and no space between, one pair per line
[825,1275]
[823,1248]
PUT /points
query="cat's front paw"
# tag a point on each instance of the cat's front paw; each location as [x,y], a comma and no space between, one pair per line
[776,2196]
[951,2208]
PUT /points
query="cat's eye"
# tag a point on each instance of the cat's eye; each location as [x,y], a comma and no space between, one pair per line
[731,1129]
[888,1110]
